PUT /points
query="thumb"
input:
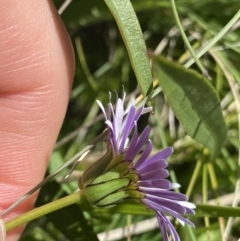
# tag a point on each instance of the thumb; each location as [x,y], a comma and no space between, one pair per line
[36,71]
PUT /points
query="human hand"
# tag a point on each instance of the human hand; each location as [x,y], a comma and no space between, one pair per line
[36,72]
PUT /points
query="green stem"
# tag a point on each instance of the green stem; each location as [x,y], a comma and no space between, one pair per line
[76,197]
[84,64]
[214,40]
[205,191]
[194,178]
[185,39]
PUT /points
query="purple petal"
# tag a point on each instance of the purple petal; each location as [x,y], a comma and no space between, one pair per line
[173,232]
[132,143]
[130,103]
[174,206]
[162,221]
[110,111]
[156,207]
[188,206]
[161,183]
[165,225]
[156,157]
[118,118]
[123,95]
[146,167]
[130,119]
[133,150]
[139,112]
[144,155]
[159,193]
[189,211]
[109,124]
[163,154]
[102,108]
[153,175]
[127,127]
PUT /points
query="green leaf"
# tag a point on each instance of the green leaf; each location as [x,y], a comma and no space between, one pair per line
[127,207]
[201,210]
[130,29]
[195,103]
[217,211]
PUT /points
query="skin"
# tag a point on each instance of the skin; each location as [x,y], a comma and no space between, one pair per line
[36,72]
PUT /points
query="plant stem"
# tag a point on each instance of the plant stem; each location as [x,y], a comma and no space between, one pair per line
[185,39]
[214,40]
[76,197]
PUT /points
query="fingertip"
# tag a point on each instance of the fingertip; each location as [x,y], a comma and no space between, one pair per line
[37,67]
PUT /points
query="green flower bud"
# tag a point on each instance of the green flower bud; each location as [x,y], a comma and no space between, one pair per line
[108,181]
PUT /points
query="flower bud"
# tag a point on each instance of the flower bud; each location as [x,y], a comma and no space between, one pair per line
[108,181]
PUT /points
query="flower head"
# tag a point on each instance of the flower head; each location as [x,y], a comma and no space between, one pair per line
[128,171]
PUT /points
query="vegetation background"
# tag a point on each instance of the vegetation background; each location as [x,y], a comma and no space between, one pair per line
[102,66]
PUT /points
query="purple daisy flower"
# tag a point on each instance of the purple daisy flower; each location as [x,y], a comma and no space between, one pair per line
[121,122]
[156,191]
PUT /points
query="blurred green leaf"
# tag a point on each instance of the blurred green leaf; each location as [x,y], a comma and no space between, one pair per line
[126,208]
[217,211]
[195,103]
[72,223]
[37,233]
[201,210]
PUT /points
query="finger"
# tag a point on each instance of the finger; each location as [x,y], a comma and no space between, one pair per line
[36,70]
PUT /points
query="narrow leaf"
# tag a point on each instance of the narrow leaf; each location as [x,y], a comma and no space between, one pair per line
[217,211]
[135,208]
[195,103]
[130,29]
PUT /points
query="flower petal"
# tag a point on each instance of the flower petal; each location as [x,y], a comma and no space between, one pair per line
[164,193]
[118,118]
[146,152]
[133,150]
[127,127]
[154,158]
[165,225]
[102,108]
[156,207]
[174,206]
[146,167]
[154,175]
[161,183]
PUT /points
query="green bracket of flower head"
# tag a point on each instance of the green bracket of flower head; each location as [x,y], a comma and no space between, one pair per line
[117,197]
[95,170]
[114,162]
[112,199]
[195,103]
[126,19]
[104,183]
[97,192]
[116,172]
